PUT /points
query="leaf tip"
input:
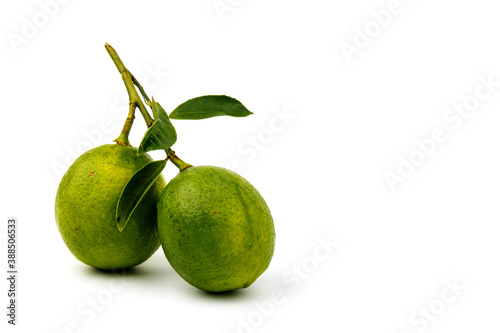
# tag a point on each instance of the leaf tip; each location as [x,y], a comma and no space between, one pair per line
[118,224]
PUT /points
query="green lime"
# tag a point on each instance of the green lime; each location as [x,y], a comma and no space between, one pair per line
[215,228]
[85,209]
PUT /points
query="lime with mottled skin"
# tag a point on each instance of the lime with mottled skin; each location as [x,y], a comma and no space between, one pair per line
[215,228]
[85,209]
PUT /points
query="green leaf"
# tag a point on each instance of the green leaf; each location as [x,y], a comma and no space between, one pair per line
[210,106]
[137,186]
[161,135]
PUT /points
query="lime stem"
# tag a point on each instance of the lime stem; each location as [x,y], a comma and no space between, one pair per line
[123,138]
[141,90]
[135,101]
[128,79]
[176,160]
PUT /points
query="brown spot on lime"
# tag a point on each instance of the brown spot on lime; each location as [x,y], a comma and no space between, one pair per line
[76,229]
[215,212]
[91,173]
[179,229]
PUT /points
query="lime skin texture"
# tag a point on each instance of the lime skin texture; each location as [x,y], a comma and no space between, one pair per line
[85,209]
[215,228]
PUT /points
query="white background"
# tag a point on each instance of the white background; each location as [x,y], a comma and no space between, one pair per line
[348,121]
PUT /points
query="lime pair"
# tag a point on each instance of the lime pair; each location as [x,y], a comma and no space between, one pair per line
[214,227]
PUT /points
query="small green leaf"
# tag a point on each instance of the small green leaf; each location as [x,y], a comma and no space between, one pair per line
[161,135]
[137,186]
[210,106]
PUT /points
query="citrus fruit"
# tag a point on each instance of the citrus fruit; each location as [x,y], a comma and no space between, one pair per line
[215,228]
[85,209]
